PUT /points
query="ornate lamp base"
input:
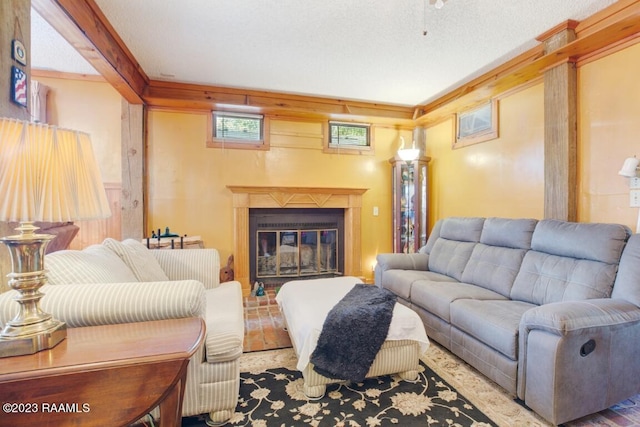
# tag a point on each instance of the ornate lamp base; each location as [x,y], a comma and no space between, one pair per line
[34,343]
[32,330]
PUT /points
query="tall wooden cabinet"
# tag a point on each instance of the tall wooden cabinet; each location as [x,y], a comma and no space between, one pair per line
[410,204]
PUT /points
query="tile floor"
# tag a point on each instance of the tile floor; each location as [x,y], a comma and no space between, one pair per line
[263,323]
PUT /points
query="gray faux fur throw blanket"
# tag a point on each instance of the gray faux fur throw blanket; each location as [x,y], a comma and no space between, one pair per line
[353,332]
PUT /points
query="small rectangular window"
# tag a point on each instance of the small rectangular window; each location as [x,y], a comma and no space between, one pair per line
[239,127]
[348,135]
[238,130]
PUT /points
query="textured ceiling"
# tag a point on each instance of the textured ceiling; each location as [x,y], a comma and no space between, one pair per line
[370,50]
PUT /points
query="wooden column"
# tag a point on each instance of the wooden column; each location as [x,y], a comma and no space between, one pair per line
[560,133]
[132,200]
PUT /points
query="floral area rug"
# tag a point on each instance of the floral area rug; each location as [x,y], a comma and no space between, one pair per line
[274,397]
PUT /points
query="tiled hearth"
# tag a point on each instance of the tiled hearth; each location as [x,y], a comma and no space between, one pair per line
[264,326]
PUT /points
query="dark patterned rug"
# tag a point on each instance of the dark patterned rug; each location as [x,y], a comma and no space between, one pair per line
[274,398]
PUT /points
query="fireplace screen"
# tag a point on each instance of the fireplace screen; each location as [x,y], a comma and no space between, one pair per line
[292,253]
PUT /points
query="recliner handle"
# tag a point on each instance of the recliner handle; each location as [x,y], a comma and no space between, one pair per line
[587,348]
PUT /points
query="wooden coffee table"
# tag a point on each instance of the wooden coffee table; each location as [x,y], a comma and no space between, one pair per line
[102,376]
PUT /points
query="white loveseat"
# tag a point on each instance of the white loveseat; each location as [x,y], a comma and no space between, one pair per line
[123,282]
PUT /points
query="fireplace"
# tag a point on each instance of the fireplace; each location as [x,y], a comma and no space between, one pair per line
[246,198]
[285,244]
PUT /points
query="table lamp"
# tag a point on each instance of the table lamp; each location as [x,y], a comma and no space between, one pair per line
[46,174]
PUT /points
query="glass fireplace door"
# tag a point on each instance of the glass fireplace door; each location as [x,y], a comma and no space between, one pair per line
[293,253]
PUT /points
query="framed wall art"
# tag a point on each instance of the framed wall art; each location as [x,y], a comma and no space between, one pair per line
[18,52]
[18,86]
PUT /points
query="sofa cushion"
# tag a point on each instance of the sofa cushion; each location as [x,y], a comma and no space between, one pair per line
[94,264]
[452,249]
[492,322]
[597,242]
[493,267]
[225,322]
[401,281]
[545,278]
[626,285]
[570,261]
[433,236]
[139,259]
[508,233]
[450,257]
[436,297]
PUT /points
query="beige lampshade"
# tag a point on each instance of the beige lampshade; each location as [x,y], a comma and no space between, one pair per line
[48,174]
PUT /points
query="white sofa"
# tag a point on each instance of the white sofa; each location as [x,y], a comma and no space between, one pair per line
[123,282]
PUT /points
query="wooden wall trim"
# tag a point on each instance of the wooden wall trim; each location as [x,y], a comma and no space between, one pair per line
[202,97]
[601,31]
[560,133]
[133,171]
[84,26]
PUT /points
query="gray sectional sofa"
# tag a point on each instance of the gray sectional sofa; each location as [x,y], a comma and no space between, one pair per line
[549,310]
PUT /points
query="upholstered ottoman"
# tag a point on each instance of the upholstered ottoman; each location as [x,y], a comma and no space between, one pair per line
[305,305]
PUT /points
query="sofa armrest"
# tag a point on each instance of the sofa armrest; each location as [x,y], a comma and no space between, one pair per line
[415,261]
[202,265]
[568,349]
[111,303]
[386,262]
[225,322]
[574,317]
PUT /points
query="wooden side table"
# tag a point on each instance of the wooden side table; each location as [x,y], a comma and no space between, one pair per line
[102,376]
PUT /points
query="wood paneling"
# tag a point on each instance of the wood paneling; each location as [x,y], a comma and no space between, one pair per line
[84,26]
[95,231]
[133,176]
[560,131]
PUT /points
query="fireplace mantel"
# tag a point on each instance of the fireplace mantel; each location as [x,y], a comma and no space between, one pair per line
[247,197]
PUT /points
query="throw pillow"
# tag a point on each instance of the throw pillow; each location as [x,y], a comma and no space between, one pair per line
[139,258]
[94,264]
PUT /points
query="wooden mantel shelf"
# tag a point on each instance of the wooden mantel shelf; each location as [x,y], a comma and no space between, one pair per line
[295,190]
[247,197]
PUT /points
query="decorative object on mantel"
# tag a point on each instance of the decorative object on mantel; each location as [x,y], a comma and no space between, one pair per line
[48,174]
[258,289]
[178,242]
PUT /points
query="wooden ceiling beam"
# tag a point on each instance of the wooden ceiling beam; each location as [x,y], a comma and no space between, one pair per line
[164,94]
[613,25]
[84,26]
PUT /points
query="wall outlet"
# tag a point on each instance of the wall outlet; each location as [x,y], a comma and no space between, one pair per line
[634,183]
[634,198]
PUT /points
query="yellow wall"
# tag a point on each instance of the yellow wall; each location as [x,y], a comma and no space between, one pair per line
[187,180]
[501,177]
[609,132]
[93,107]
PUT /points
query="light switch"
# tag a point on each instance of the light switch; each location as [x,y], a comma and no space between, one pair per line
[375,211]
[634,198]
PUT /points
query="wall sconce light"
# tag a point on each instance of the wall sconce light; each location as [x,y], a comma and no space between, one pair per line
[630,167]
